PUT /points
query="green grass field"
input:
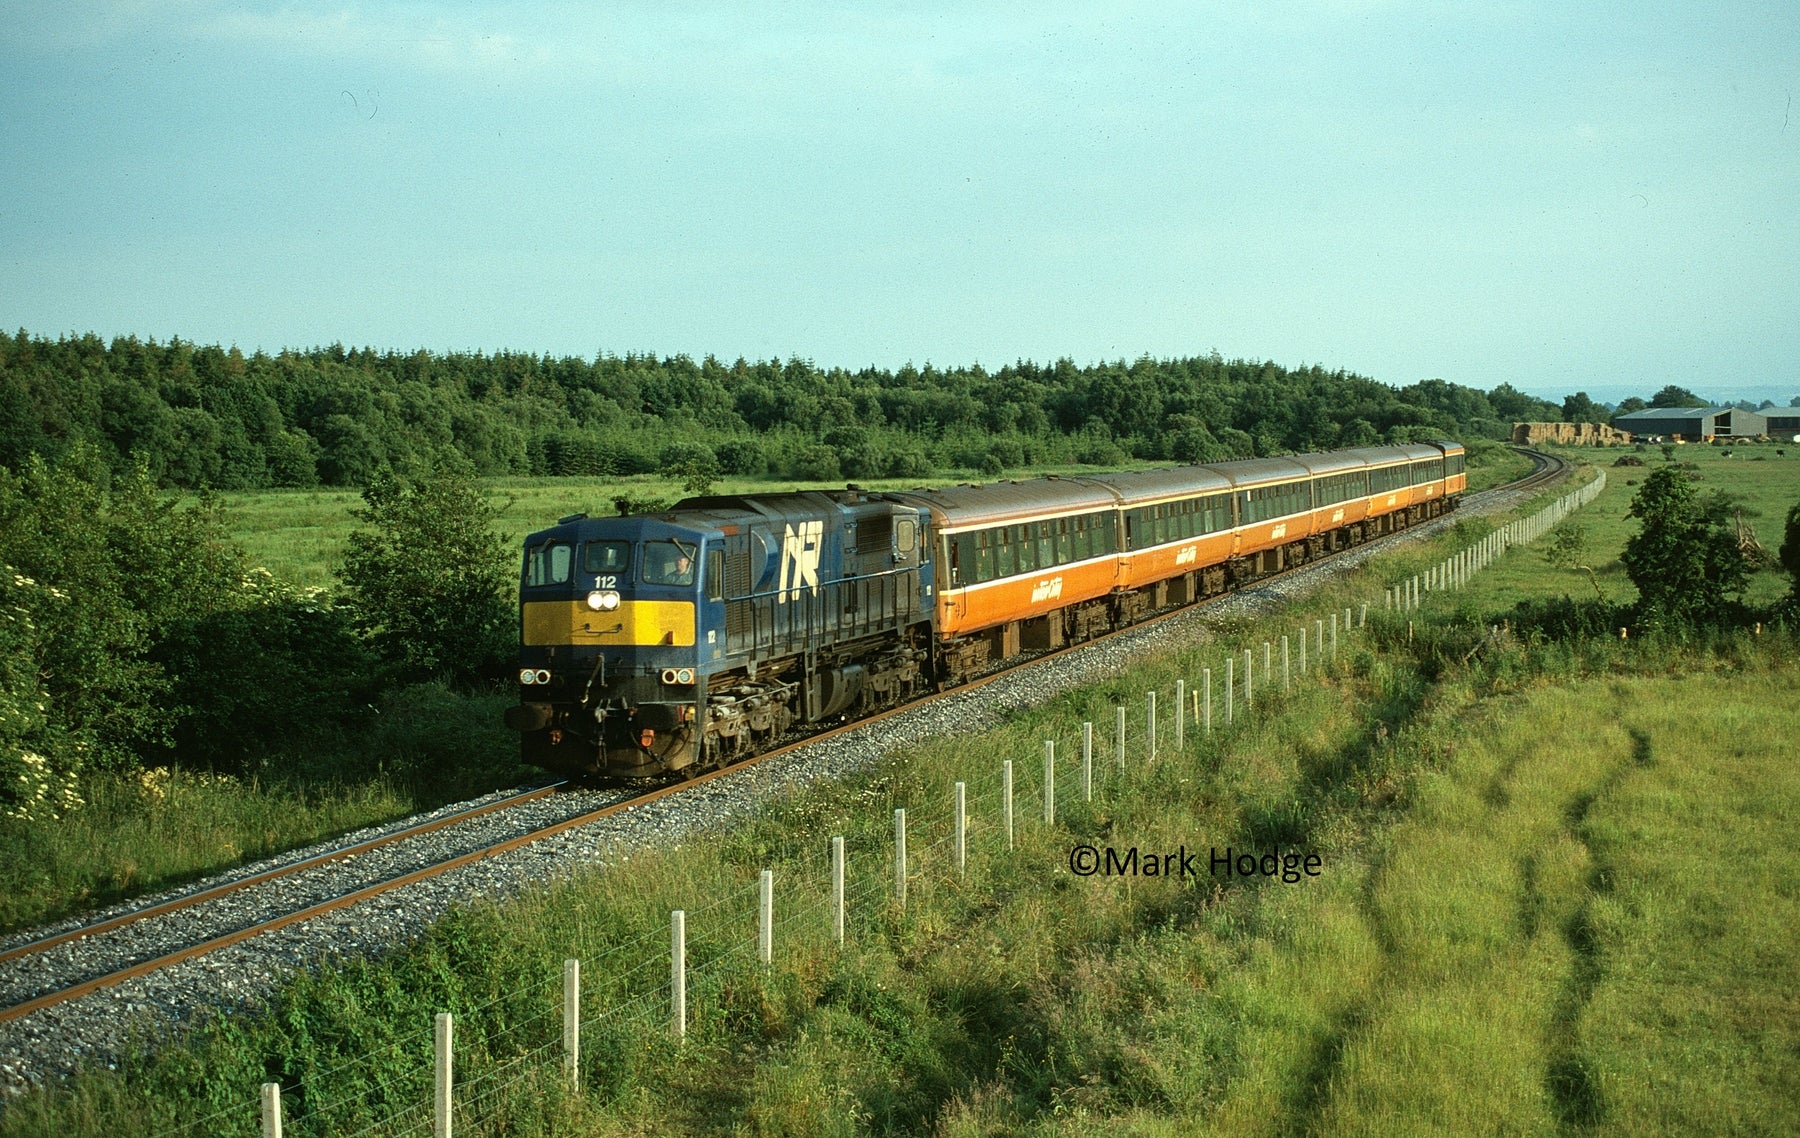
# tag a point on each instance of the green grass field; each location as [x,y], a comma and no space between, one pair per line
[1558,895]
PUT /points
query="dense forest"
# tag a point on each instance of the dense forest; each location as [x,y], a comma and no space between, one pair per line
[209,416]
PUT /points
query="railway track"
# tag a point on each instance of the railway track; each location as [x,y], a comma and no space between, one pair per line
[1547,469]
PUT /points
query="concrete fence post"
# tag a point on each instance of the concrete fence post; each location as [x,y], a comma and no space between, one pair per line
[1049,782]
[271,1110]
[1334,627]
[572,1021]
[765,919]
[1006,799]
[678,972]
[1249,676]
[1087,762]
[1268,654]
[837,888]
[1119,751]
[962,830]
[1150,739]
[1284,662]
[1230,690]
[441,1103]
[1303,649]
[900,856]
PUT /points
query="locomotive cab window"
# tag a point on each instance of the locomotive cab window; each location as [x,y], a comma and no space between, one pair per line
[669,562]
[549,563]
[611,558]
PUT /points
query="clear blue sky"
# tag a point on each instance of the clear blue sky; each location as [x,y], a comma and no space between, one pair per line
[1556,195]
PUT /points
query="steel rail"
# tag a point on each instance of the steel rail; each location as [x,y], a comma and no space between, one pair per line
[1548,466]
[187,900]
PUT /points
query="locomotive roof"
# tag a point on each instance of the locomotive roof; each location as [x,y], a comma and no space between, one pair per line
[726,509]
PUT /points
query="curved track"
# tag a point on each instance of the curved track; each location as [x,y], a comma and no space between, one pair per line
[1547,469]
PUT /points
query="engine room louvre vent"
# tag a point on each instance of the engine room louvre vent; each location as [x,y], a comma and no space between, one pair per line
[874,534]
[737,573]
[737,619]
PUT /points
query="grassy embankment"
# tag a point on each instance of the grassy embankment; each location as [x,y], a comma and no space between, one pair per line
[1549,901]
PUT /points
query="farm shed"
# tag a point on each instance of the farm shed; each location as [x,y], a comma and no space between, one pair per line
[1693,424]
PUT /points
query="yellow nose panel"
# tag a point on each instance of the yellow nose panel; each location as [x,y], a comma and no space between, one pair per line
[633,622]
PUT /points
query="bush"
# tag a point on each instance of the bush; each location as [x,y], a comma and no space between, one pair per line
[908,462]
[815,463]
[680,456]
[1682,564]
[97,575]
[285,665]
[743,457]
[1789,555]
[428,580]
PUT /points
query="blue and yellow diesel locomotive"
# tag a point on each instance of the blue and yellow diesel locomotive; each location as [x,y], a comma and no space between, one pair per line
[681,641]
[653,643]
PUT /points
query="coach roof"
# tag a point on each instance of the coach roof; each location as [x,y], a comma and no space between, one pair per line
[1135,486]
[959,506]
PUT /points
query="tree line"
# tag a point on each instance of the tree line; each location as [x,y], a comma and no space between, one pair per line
[206,416]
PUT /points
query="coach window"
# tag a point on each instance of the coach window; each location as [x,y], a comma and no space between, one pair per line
[1065,544]
[549,564]
[977,555]
[1025,549]
[1003,554]
[715,574]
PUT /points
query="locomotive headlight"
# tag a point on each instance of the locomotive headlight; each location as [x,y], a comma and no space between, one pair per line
[603,600]
[527,676]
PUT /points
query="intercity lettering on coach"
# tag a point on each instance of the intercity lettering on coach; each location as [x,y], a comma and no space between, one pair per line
[1289,867]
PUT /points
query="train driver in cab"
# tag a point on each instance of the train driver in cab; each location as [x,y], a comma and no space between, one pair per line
[668,563]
